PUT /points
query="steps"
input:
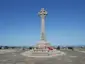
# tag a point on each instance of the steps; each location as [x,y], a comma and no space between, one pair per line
[40,54]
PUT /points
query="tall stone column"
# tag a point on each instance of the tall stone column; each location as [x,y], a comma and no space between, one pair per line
[42,14]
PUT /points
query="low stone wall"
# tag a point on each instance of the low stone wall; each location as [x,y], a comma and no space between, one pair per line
[6,51]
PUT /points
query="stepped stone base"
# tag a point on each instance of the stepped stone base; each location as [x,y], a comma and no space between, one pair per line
[43,49]
[53,53]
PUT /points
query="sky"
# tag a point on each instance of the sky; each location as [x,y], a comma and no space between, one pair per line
[20,24]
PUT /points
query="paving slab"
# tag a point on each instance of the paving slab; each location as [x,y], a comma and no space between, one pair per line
[71,57]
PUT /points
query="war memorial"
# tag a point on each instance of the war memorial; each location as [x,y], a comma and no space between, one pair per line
[43,48]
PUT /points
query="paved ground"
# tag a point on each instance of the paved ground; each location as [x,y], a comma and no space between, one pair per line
[71,57]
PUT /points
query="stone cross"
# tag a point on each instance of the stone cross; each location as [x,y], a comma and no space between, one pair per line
[42,14]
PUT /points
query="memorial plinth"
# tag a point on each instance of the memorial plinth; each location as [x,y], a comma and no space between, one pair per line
[42,44]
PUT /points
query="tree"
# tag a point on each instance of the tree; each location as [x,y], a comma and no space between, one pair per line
[58,47]
[30,48]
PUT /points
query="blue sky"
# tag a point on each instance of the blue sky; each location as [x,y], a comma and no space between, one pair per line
[20,23]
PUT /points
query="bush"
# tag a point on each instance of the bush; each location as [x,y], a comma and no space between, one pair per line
[58,47]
